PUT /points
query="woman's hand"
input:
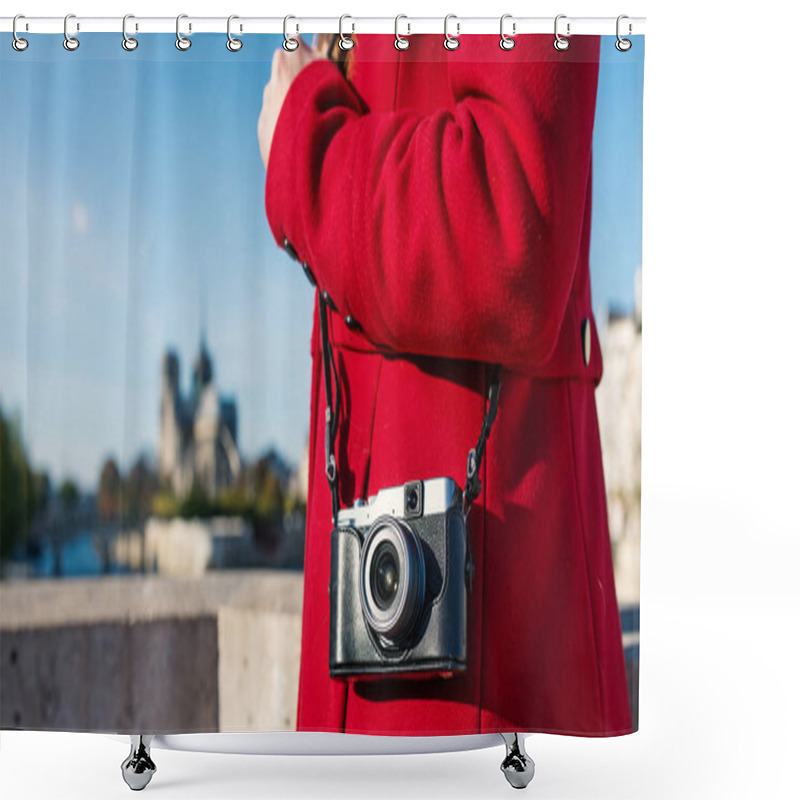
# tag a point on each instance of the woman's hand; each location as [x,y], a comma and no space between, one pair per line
[285,68]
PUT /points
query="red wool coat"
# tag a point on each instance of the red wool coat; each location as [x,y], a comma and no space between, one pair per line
[442,199]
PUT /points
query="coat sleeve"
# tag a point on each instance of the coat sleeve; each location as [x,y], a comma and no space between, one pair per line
[451,233]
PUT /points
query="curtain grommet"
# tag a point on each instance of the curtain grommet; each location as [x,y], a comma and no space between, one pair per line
[622,44]
[561,43]
[18,43]
[233,44]
[451,42]
[129,43]
[182,42]
[290,43]
[507,42]
[346,42]
[401,42]
[71,43]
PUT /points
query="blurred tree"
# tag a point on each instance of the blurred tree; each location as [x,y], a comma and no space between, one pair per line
[38,491]
[13,486]
[165,504]
[234,500]
[197,503]
[269,500]
[293,502]
[68,494]
[139,488]
[109,490]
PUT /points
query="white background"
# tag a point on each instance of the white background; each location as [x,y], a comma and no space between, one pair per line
[720,615]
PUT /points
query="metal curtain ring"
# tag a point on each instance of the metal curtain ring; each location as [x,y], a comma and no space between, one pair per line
[233,44]
[451,42]
[623,45]
[70,42]
[400,42]
[128,42]
[290,43]
[181,42]
[506,42]
[346,42]
[560,42]
[18,43]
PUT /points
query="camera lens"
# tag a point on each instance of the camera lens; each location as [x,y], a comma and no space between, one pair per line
[385,577]
[392,580]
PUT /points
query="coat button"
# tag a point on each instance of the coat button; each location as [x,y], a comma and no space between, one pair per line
[287,246]
[586,336]
[309,274]
[328,301]
[351,323]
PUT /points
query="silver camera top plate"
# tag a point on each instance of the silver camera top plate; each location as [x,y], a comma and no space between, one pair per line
[439,495]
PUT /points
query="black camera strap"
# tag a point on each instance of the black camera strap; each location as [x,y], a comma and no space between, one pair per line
[473,485]
[332,405]
[331,409]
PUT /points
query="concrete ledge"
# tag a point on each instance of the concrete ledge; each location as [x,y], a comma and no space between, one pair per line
[70,601]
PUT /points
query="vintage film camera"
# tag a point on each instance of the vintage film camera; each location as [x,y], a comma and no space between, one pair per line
[398,589]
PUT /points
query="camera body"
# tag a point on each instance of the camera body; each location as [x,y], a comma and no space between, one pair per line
[398,587]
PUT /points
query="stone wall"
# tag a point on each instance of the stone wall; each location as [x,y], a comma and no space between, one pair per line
[151,654]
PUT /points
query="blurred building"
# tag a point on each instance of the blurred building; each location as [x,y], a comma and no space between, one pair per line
[197,443]
[619,409]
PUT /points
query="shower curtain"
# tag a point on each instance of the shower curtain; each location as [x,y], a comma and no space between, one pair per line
[320,384]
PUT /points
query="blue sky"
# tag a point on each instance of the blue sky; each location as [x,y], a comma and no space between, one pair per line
[131,212]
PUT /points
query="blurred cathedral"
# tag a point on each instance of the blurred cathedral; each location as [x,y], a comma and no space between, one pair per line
[197,444]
